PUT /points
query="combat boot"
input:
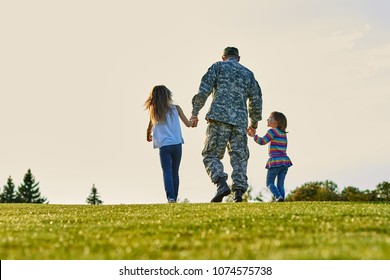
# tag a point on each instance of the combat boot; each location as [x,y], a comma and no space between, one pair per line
[222,190]
[238,195]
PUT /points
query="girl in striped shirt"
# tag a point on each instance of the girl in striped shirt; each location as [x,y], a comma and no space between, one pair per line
[278,162]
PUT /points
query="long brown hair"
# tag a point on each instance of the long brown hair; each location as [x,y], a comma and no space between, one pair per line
[281,119]
[159,103]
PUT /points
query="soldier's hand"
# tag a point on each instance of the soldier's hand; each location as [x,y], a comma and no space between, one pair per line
[251,131]
[194,121]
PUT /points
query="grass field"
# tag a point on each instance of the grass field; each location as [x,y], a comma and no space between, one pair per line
[275,231]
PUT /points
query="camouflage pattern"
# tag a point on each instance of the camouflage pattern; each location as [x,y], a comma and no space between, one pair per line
[232,85]
[218,137]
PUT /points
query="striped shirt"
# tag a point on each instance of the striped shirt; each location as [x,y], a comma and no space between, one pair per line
[277,147]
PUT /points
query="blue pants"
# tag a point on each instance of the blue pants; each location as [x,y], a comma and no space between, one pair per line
[280,173]
[170,157]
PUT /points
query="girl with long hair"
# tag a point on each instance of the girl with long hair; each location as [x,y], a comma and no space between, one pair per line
[165,132]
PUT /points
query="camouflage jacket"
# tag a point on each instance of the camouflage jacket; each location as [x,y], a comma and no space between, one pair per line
[232,85]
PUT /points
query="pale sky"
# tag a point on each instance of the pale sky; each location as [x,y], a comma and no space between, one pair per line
[74,76]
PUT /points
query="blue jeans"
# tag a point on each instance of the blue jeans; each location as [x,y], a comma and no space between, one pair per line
[280,173]
[170,157]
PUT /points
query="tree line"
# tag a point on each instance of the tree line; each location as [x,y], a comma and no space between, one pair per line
[28,192]
[325,191]
[328,191]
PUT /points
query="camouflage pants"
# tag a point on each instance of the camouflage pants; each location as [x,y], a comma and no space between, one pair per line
[220,136]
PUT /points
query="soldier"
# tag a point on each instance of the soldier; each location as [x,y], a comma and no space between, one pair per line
[232,85]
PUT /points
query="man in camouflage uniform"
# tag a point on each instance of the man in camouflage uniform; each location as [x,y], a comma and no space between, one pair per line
[232,85]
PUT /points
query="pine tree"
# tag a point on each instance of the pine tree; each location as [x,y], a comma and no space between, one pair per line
[28,191]
[94,197]
[8,195]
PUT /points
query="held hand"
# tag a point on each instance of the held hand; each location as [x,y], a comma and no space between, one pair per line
[251,131]
[194,121]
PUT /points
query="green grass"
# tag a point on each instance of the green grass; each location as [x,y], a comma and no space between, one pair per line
[276,231]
